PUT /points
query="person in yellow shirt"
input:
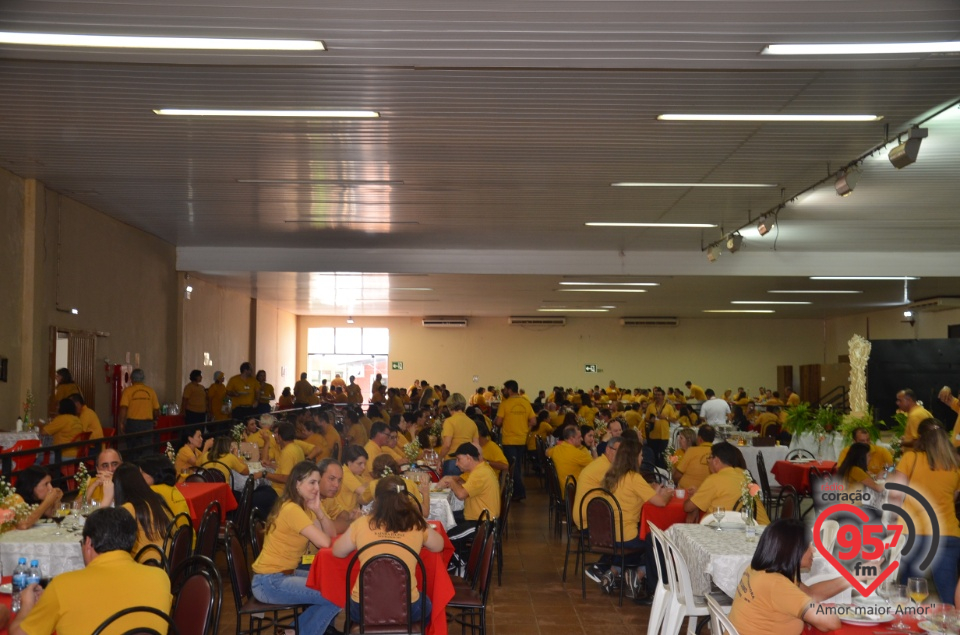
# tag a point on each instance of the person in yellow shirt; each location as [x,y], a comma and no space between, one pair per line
[129,490]
[569,457]
[332,440]
[489,450]
[267,393]
[285,402]
[353,391]
[65,427]
[139,407]
[304,393]
[634,418]
[587,412]
[65,385]
[290,455]
[766,419]
[354,432]
[188,456]
[793,399]
[878,459]
[160,475]
[298,519]
[591,477]
[107,463]
[515,417]
[194,401]
[217,402]
[481,491]
[724,487]
[946,396]
[379,436]
[353,490]
[692,470]
[660,414]
[696,392]
[244,391]
[458,429]
[916,414]
[478,400]
[542,430]
[89,420]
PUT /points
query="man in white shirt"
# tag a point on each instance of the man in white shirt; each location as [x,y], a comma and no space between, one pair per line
[714,411]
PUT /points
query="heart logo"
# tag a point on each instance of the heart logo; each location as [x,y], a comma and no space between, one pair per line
[846,573]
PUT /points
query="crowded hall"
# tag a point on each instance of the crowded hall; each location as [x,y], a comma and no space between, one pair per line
[423,317]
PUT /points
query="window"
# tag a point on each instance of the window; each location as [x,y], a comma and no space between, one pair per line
[360,352]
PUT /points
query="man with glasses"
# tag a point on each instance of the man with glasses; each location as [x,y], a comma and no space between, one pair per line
[107,463]
[724,487]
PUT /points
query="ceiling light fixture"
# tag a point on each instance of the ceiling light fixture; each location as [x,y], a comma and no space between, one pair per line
[888,48]
[314,114]
[685,225]
[713,252]
[320,181]
[573,310]
[734,242]
[771,118]
[906,153]
[349,319]
[827,291]
[613,284]
[605,290]
[765,225]
[847,181]
[739,311]
[173,43]
[908,314]
[765,302]
[864,278]
[629,184]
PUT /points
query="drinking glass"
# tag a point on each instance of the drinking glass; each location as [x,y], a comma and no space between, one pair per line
[918,590]
[63,510]
[900,597]
[718,514]
[942,617]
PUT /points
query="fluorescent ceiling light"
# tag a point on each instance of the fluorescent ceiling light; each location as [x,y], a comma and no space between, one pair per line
[411,289]
[769,118]
[692,225]
[213,112]
[613,284]
[739,311]
[810,291]
[629,184]
[864,278]
[351,221]
[861,49]
[765,302]
[138,42]
[321,181]
[573,310]
[605,290]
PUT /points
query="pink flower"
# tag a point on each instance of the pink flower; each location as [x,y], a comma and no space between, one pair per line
[6,516]
[754,489]
[674,459]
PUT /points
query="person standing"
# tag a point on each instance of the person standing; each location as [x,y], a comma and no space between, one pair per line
[714,411]
[304,393]
[139,406]
[660,414]
[354,393]
[65,385]
[515,418]
[244,390]
[194,402]
[696,392]
[916,414]
[267,393]
[458,428]
[375,387]
[217,398]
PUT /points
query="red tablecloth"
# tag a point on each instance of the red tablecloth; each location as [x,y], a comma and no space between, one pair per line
[169,421]
[199,495]
[798,474]
[663,517]
[328,575]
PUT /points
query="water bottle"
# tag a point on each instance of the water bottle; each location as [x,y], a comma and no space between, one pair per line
[19,583]
[34,574]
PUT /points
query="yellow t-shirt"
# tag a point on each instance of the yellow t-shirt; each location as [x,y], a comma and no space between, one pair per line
[765,420]
[768,603]
[358,434]
[632,492]
[284,545]
[317,440]
[590,478]
[634,420]
[229,460]
[490,451]
[516,413]
[569,461]
[938,487]
[187,458]
[483,488]
[793,399]
[142,539]
[696,392]
[915,417]
[877,459]
[65,390]
[174,499]
[290,455]
[724,489]
[63,429]
[76,602]
[267,393]
[693,464]
[216,394]
[140,401]
[362,535]
[346,498]
[332,437]
[661,427]
[247,389]
[90,422]
[461,428]
[373,451]
[195,397]
[588,414]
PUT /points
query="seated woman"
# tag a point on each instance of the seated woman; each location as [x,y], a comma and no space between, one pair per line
[224,457]
[852,472]
[384,466]
[158,472]
[296,520]
[394,517]
[34,488]
[771,598]
[129,490]
[189,454]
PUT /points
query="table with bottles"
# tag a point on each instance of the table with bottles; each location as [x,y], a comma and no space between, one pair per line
[56,552]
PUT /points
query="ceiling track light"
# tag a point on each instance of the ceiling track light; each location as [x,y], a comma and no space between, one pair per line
[847,181]
[765,225]
[713,252]
[906,153]
[734,242]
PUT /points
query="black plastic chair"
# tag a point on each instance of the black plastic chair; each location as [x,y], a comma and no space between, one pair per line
[209,531]
[472,604]
[601,538]
[142,611]
[768,493]
[197,596]
[385,588]
[573,533]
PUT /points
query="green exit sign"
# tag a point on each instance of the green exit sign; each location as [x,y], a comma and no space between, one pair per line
[396,365]
[590,368]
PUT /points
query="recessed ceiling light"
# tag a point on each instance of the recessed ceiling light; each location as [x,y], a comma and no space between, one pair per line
[861,49]
[573,310]
[770,118]
[609,306]
[127,41]
[864,278]
[316,114]
[320,181]
[411,289]
[739,311]
[629,184]
[605,290]
[765,302]
[693,225]
[801,291]
[612,284]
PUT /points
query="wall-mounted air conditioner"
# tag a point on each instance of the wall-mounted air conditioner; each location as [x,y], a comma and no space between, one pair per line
[536,320]
[649,321]
[445,322]
[935,304]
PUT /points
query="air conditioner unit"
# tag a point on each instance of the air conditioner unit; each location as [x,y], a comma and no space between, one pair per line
[935,304]
[536,321]
[649,321]
[445,322]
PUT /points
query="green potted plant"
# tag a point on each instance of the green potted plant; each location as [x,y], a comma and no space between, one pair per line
[800,419]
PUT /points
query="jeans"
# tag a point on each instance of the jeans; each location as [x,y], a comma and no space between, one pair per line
[138,425]
[450,468]
[414,610]
[515,453]
[277,588]
[943,568]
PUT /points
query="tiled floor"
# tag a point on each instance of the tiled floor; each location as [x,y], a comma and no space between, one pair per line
[532,600]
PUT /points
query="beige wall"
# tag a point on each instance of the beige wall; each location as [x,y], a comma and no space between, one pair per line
[12,303]
[713,353]
[276,345]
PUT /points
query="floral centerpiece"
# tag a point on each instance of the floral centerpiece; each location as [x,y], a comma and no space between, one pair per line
[749,491]
[13,509]
[436,430]
[27,408]
[83,478]
[171,453]
[237,432]
[412,450]
[600,430]
[672,456]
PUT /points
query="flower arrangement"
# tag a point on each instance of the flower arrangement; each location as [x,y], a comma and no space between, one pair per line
[412,450]
[82,477]
[237,432]
[12,507]
[171,453]
[748,494]
[828,419]
[436,428]
[386,472]
[851,423]
[27,408]
[601,429]
[671,456]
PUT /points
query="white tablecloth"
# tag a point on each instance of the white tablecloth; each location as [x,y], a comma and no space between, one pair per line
[826,450]
[440,510]
[771,454]
[8,439]
[57,554]
[723,556]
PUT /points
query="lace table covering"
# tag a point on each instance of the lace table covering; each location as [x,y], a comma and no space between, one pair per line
[56,554]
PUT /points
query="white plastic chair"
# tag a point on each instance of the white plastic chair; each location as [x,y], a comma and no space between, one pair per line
[828,534]
[684,604]
[662,595]
[719,621]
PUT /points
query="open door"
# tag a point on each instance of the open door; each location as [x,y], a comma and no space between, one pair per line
[77,352]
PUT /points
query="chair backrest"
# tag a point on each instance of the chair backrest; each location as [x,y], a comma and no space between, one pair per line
[209,531]
[152,555]
[197,596]
[213,475]
[652,477]
[680,584]
[244,511]
[487,560]
[179,547]
[601,519]
[385,588]
[788,502]
[800,453]
[258,532]
[658,540]
[476,549]
[719,621]
[763,478]
[553,481]
[570,493]
[200,476]
[335,452]
[140,613]
[239,572]
[25,461]
[416,501]
[828,534]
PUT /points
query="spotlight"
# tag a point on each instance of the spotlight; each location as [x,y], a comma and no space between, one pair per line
[908,314]
[906,153]
[764,226]
[847,181]
[350,320]
[734,242]
[713,252]
[75,312]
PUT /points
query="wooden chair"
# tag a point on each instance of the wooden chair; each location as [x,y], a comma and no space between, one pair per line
[209,531]
[178,546]
[197,596]
[385,589]
[140,612]
[601,538]
[472,604]
[573,534]
[788,503]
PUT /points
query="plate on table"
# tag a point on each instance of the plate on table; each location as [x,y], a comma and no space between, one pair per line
[440,490]
[862,618]
[929,627]
[802,460]
[7,588]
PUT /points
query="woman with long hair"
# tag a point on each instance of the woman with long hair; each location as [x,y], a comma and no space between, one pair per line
[65,385]
[34,486]
[130,491]
[159,474]
[933,469]
[297,520]
[394,517]
[223,456]
[771,598]
[188,457]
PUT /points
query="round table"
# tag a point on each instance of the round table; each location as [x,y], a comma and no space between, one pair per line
[56,554]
